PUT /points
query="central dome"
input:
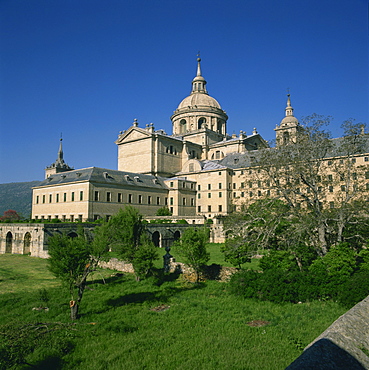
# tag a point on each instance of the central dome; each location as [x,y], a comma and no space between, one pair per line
[198,100]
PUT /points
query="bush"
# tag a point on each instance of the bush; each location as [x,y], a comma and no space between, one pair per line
[245,283]
[355,289]
[181,222]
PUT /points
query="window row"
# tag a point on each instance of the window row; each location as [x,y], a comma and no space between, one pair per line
[209,208]
[62,197]
[64,218]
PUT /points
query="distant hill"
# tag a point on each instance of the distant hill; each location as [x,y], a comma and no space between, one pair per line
[17,196]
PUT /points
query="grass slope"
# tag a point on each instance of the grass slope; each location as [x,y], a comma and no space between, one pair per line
[193,327]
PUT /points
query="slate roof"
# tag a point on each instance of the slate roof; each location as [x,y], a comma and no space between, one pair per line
[103,175]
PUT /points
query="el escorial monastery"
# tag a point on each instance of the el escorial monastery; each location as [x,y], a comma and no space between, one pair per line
[199,173]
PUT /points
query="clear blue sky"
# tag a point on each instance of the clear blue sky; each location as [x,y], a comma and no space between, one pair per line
[87,68]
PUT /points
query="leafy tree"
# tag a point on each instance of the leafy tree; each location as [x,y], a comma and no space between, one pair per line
[72,260]
[192,247]
[302,175]
[125,233]
[237,251]
[10,216]
[163,211]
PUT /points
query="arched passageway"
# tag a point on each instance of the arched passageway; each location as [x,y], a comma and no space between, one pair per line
[156,238]
[9,242]
[176,235]
[27,243]
[73,234]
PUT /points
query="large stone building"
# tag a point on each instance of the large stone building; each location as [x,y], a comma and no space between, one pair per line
[198,172]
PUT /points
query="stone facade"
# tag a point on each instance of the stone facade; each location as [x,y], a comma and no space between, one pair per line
[199,170]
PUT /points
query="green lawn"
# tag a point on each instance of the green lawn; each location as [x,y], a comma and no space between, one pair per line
[193,327]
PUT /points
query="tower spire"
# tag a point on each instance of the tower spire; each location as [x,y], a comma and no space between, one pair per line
[198,83]
[60,151]
[289,109]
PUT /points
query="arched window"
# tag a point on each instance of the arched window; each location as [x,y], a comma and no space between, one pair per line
[191,167]
[200,122]
[27,243]
[219,126]
[183,126]
[286,137]
[176,235]
[156,238]
[9,242]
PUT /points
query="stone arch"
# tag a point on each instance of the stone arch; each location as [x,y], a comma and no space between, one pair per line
[156,238]
[9,242]
[183,126]
[200,122]
[176,235]
[27,243]
[72,234]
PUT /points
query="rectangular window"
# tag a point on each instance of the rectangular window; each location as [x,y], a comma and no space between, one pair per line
[72,196]
[219,173]
[268,193]
[149,199]
[171,184]
[198,195]
[331,204]
[220,194]
[220,185]
[259,193]
[234,185]
[129,198]
[80,218]
[330,163]
[43,199]
[199,187]
[330,188]
[96,217]
[209,208]
[166,201]
[184,201]
[171,201]
[250,184]
[71,218]
[220,208]
[37,199]
[120,198]
[242,185]
[229,186]
[251,194]
[49,217]
[330,177]
[209,186]
[108,196]
[96,196]
[353,160]
[139,199]
[209,195]
[50,198]
[343,187]
[192,202]
[64,217]
[81,195]
[158,200]
[234,195]
[242,194]
[198,208]
[366,159]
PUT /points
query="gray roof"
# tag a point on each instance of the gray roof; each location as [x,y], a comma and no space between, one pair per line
[105,176]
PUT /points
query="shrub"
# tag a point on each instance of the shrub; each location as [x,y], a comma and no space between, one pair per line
[355,289]
[245,283]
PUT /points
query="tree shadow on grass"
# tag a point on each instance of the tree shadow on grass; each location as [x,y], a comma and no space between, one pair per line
[160,296]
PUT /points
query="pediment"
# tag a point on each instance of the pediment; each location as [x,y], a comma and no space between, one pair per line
[133,134]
